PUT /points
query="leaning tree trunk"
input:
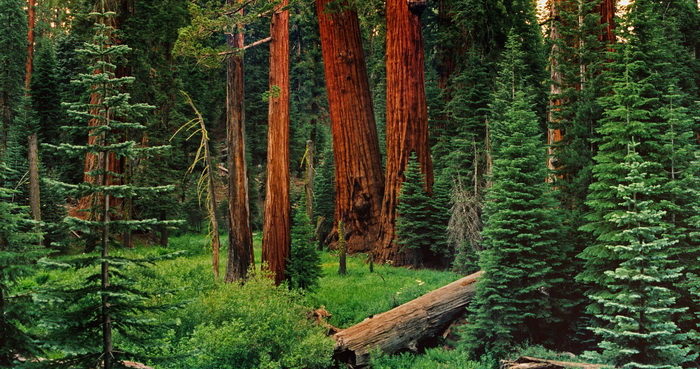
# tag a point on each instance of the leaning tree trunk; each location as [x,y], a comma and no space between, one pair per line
[359,181]
[240,241]
[408,326]
[406,116]
[276,238]
[32,139]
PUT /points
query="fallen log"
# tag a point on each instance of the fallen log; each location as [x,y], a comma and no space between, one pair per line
[407,326]
[528,362]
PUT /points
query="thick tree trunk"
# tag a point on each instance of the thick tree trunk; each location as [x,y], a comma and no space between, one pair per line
[32,140]
[607,10]
[92,161]
[276,238]
[407,326]
[359,181]
[240,250]
[406,116]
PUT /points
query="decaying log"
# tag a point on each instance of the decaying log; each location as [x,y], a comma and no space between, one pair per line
[407,326]
[527,362]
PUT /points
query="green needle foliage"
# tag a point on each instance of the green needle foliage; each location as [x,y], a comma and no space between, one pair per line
[520,231]
[413,227]
[304,263]
[19,252]
[91,319]
[637,307]
[13,43]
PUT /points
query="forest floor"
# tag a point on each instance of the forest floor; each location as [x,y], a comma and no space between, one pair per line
[350,298]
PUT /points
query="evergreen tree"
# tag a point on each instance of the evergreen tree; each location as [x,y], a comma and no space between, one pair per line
[304,263]
[18,255]
[324,194]
[413,222]
[13,43]
[89,319]
[520,229]
[637,307]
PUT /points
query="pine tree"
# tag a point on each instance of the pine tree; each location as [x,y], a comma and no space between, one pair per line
[637,306]
[304,263]
[520,229]
[18,255]
[89,319]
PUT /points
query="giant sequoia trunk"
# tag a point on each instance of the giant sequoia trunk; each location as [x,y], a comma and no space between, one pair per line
[359,181]
[93,160]
[32,140]
[240,241]
[607,18]
[406,116]
[408,326]
[276,238]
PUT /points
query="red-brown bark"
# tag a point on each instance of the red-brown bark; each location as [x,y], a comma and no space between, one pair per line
[91,163]
[276,237]
[359,181]
[240,250]
[32,139]
[406,117]
[554,133]
[606,9]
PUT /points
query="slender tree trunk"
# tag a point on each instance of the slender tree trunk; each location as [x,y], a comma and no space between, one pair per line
[32,140]
[342,250]
[309,185]
[107,346]
[240,241]
[359,181]
[276,238]
[406,115]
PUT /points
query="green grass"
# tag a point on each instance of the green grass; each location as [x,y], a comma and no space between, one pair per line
[350,298]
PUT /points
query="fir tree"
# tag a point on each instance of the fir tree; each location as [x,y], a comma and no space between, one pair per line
[627,117]
[304,263]
[413,223]
[324,194]
[637,307]
[90,319]
[13,43]
[520,229]
[18,255]
[46,100]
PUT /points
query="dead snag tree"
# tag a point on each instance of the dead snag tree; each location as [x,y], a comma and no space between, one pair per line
[359,181]
[240,241]
[276,225]
[406,114]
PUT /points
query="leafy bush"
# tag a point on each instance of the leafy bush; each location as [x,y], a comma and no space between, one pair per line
[255,325]
[437,358]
